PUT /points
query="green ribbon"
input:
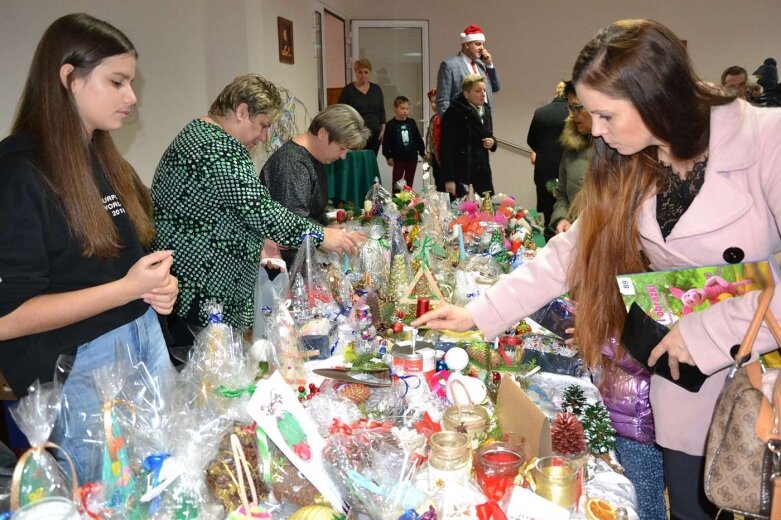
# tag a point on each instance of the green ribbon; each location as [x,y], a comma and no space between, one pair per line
[384,243]
[425,248]
[235,393]
[264,454]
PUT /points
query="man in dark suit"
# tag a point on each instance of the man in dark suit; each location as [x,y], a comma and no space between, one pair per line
[474,58]
[543,139]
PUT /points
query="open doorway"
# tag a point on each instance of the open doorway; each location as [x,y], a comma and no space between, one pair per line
[398,51]
[335,56]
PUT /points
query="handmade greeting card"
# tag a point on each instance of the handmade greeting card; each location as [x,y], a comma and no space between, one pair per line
[276,409]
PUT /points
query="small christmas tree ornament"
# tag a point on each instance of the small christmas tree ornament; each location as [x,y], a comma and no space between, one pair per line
[574,400]
[497,250]
[600,435]
[398,279]
[487,206]
[567,435]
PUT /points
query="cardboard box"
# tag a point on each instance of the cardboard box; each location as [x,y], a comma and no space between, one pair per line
[517,413]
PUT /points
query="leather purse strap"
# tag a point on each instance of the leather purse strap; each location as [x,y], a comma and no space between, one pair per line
[763,314]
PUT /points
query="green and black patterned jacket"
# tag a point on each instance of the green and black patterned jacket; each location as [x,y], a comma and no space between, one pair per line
[211,209]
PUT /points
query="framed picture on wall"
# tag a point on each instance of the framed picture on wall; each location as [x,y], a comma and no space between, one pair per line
[285,36]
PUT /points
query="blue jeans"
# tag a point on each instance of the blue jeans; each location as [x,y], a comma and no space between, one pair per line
[79,429]
[643,467]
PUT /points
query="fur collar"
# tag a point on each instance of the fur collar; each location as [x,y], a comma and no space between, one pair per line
[570,139]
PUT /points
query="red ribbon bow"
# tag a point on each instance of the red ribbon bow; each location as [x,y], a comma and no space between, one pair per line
[490,510]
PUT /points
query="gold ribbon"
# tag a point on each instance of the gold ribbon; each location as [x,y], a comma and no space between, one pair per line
[16,480]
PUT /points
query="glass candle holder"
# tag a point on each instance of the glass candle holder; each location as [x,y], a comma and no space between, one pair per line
[496,466]
[556,479]
[471,419]
[450,458]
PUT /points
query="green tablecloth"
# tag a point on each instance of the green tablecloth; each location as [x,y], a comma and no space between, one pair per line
[350,179]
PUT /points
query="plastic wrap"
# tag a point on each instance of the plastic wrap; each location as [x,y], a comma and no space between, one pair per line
[309,293]
[376,199]
[375,255]
[551,354]
[217,349]
[474,276]
[118,482]
[329,404]
[366,460]
[221,365]
[286,355]
[176,468]
[224,479]
[556,317]
[266,293]
[41,475]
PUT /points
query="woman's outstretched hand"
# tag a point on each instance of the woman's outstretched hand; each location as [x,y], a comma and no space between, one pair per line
[341,242]
[446,316]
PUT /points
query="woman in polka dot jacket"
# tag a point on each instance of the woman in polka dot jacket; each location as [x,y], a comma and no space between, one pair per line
[211,209]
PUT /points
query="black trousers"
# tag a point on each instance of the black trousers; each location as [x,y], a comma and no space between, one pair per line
[684,475]
[545,202]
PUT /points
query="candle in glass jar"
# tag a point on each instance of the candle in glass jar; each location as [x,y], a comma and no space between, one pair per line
[424,305]
[496,466]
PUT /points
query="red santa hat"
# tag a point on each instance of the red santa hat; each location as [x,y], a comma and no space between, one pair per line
[473,33]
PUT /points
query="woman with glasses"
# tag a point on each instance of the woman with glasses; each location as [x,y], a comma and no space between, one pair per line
[681,176]
[575,141]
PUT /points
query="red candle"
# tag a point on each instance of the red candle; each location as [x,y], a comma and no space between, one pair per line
[424,305]
[496,466]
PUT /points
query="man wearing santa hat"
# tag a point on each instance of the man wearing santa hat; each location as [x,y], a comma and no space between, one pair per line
[474,58]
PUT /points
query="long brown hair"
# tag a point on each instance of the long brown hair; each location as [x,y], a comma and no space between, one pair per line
[62,154]
[643,62]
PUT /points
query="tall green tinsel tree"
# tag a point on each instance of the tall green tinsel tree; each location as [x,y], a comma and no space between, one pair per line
[398,279]
[600,435]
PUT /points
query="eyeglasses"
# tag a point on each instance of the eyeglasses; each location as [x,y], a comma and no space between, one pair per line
[575,109]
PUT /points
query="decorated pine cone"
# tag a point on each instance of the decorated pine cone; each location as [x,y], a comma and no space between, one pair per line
[355,392]
[567,435]
[484,356]
[574,400]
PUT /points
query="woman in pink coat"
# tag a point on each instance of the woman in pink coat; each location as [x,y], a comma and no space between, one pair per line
[681,176]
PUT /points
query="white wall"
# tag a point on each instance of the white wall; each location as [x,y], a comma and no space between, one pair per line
[535,42]
[189,49]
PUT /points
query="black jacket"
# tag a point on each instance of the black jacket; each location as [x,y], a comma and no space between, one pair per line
[544,131]
[464,159]
[39,256]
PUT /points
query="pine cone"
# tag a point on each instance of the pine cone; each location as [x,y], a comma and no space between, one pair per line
[574,400]
[373,301]
[355,392]
[567,436]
